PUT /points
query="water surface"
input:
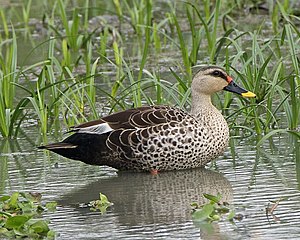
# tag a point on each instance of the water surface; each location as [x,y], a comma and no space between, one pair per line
[158,207]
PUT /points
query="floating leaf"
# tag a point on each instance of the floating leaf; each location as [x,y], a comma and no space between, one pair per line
[14,200]
[212,211]
[51,206]
[3,231]
[20,233]
[215,217]
[102,204]
[214,199]
[26,207]
[103,199]
[51,235]
[40,227]
[194,205]
[16,222]
[4,198]
[231,215]
[223,209]
[16,217]
[203,214]
[40,209]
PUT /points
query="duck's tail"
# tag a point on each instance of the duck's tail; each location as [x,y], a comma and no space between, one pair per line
[88,148]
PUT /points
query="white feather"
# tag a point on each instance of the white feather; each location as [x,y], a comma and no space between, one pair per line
[96,129]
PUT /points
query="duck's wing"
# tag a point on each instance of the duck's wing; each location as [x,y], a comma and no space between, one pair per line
[131,119]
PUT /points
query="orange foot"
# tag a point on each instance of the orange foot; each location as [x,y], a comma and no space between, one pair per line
[154,171]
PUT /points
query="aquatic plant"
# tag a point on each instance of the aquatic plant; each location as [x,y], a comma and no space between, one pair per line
[214,210]
[101,204]
[8,77]
[20,216]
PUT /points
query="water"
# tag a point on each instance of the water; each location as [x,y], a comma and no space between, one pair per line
[158,207]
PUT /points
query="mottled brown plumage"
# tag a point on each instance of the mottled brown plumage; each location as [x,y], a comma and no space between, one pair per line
[155,138]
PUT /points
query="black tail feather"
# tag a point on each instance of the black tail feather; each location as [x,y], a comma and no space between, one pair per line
[88,148]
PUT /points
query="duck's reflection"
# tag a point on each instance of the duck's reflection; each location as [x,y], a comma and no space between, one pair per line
[142,198]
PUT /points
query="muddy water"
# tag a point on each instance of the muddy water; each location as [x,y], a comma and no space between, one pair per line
[158,207]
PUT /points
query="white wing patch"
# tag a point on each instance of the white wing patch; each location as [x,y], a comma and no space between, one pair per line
[96,129]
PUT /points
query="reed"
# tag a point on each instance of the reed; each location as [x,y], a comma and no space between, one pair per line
[263,70]
[38,103]
[72,30]
[139,14]
[8,77]
[146,46]
[210,27]
[26,16]
[4,147]
[183,45]
[62,94]
[4,26]
[294,80]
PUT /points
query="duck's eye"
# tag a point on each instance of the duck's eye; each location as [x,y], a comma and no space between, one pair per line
[216,73]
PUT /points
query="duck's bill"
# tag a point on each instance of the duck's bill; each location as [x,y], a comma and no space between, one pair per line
[233,87]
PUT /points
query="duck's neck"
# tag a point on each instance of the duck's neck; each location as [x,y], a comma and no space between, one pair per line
[201,103]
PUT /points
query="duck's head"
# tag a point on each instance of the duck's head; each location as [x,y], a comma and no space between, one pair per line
[211,79]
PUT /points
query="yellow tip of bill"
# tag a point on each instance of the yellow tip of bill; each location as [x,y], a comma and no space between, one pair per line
[248,94]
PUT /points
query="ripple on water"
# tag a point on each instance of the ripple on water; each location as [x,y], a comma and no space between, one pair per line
[260,182]
[158,207]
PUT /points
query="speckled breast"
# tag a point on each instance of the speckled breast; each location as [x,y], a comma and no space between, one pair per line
[186,144]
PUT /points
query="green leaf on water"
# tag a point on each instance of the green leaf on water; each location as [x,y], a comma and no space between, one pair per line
[27,207]
[223,210]
[194,205]
[103,199]
[51,206]
[203,214]
[17,217]
[13,203]
[231,215]
[212,198]
[102,204]
[40,209]
[3,231]
[40,227]
[16,222]
[19,233]
[4,214]
[51,235]
[4,198]
[216,217]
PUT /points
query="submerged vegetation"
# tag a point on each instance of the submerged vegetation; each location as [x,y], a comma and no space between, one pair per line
[91,60]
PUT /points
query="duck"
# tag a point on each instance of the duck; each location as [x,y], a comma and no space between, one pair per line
[158,137]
